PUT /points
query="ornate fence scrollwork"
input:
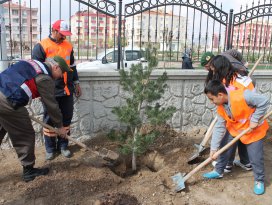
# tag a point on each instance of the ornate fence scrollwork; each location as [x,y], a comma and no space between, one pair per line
[252,13]
[201,5]
[103,6]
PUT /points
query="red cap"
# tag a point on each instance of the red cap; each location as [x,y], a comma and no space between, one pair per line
[62,27]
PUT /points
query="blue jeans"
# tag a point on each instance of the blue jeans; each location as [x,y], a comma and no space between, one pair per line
[255,154]
[66,105]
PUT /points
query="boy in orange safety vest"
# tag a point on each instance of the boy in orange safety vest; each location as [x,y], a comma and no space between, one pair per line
[237,110]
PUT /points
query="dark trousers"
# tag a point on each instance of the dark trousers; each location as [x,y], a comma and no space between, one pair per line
[66,105]
[242,151]
[255,154]
[19,127]
[3,132]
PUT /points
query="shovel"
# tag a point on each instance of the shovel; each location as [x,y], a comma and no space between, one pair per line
[180,179]
[105,154]
[201,147]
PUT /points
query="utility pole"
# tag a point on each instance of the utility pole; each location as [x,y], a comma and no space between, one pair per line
[3,43]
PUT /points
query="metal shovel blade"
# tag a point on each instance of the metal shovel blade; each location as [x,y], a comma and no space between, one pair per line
[196,156]
[178,181]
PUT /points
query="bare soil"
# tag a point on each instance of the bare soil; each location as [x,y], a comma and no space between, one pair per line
[84,179]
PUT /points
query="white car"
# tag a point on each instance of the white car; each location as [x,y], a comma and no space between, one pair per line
[108,60]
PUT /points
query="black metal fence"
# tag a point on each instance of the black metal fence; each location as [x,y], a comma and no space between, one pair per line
[175,27]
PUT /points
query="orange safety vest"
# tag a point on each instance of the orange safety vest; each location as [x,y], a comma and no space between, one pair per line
[64,50]
[241,114]
[243,82]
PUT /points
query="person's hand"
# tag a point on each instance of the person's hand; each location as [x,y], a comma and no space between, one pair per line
[62,132]
[212,152]
[78,90]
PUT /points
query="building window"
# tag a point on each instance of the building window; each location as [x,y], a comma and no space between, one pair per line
[15,20]
[15,12]
[24,21]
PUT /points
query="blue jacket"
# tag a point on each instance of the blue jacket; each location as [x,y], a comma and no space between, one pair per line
[12,81]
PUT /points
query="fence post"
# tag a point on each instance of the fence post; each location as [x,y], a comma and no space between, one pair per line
[3,43]
[229,40]
[119,34]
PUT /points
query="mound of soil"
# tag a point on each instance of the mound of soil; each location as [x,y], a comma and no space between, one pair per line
[85,178]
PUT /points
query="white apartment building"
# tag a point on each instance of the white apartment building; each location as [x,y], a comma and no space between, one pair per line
[28,24]
[155,24]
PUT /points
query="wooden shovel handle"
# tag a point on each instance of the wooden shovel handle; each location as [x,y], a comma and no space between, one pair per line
[208,133]
[255,66]
[56,131]
[223,149]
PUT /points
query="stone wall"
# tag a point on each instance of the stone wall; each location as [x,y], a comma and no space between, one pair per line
[101,92]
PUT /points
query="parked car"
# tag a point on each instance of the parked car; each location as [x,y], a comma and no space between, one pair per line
[108,59]
[14,57]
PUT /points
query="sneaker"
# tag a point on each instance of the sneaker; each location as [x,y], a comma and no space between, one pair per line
[66,153]
[49,155]
[30,173]
[212,175]
[228,168]
[246,167]
[258,188]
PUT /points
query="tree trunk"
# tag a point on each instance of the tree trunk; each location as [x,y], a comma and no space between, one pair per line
[134,165]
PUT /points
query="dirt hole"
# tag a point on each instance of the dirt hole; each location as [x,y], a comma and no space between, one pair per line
[152,160]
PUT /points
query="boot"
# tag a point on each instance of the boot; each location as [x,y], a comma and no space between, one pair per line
[29,172]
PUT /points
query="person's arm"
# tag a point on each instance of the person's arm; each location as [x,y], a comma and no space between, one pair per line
[75,75]
[218,133]
[46,89]
[38,53]
[257,101]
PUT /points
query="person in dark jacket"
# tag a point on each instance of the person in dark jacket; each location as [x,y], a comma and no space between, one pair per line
[19,83]
[186,62]
[234,56]
[56,44]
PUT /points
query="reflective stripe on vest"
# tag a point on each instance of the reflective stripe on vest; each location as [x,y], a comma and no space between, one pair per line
[63,49]
[240,120]
[27,90]
[41,66]
[29,86]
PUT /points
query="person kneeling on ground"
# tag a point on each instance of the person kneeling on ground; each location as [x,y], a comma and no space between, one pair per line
[237,110]
[20,83]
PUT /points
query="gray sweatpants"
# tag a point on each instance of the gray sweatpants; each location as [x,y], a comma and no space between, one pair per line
[255,155]
[18,125]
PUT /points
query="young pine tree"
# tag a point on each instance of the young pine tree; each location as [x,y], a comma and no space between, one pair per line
[138,111]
